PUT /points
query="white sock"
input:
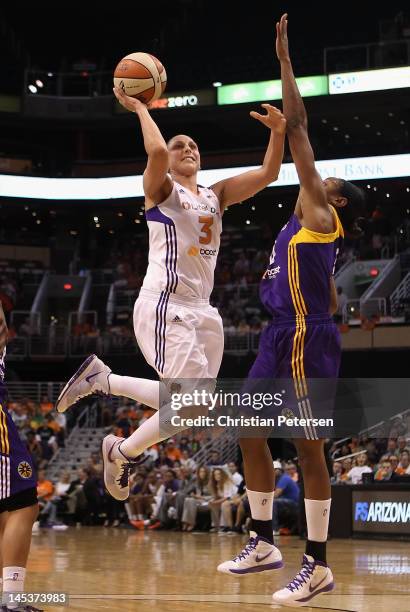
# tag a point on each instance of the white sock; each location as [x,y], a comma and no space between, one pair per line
[142,390]
[317,519]
[153,430]
[13,582]
[261,505]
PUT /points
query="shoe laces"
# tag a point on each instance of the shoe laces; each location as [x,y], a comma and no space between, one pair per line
[303,576]
[249,548]
[123,479]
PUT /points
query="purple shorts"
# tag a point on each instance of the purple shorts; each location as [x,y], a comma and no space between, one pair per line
[300,358]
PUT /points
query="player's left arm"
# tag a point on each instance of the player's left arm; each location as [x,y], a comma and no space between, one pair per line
[238,188]
[3,329]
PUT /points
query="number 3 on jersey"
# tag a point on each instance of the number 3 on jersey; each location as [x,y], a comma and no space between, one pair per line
[206,232]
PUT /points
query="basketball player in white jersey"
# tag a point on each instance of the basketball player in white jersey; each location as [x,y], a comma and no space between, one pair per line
[179,333]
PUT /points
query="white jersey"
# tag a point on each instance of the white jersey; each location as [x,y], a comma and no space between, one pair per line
[184,241]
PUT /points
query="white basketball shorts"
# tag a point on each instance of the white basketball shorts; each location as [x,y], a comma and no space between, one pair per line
[179,337]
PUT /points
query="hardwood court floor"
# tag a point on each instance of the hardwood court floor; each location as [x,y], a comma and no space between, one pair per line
[162,571]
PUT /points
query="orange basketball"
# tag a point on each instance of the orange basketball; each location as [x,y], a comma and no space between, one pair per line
[141,75]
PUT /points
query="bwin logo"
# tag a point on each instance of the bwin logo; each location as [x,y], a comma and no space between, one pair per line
[361,511]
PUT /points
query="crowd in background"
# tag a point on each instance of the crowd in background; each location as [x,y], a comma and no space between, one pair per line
[40,427]
[171,490]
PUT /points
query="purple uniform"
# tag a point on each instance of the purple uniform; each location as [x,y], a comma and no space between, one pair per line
[301,342]
[16,465]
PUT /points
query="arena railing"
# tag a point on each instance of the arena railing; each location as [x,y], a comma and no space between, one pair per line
[366,56]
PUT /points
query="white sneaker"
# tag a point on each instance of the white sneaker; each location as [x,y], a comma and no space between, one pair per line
[117,467]
[314,578]
[257,556]
[91,377]
[116,471]
[36,527]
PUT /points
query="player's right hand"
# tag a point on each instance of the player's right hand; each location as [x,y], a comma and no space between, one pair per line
[131,104]
[282,46]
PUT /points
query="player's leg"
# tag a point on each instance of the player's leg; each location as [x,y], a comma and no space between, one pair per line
[94,376]
[315,576]
[321,359]
[260,553]
[15,546]
[180,356]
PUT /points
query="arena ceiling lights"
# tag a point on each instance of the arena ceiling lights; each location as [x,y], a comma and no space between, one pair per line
[354,169]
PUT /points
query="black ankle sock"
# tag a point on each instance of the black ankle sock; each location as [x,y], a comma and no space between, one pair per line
[264,529]
[317,550]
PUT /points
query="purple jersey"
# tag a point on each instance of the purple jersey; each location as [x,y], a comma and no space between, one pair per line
[297,280]
[16,465]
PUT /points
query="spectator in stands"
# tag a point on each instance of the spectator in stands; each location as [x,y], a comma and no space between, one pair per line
[94,494]
[46,437]
[45,405]
[162,459]
[187,461]
[198,498]
[45,489]
[214,459]
[286,494]
[57,502]
[171,486]
[392,448]
[355,475]
[222,488]
[172,452]
[346,467]
[403,468]
[230,510]
[95,464]
[385,472]
[142,497]
[76,502]
[337,473]
[123,424]
[237,478]
[34,448]
[402,445]
[291,470]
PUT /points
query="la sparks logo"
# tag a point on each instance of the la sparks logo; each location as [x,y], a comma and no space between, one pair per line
[25,470]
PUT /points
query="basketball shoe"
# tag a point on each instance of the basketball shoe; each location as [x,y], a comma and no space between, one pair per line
[257,556]
[314,578]
[117,469]
[91,377]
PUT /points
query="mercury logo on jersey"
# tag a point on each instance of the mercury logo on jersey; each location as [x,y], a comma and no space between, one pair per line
[271,273]
[198,206]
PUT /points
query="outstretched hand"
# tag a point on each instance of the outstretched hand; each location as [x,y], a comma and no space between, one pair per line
[282,45]
[273,119]
[131,104]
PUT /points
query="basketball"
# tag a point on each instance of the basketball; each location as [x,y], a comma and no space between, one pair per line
[141,75]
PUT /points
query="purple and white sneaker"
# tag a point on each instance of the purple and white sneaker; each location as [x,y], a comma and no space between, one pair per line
[90,378]
[117,467]
[314,578]
[258,555]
